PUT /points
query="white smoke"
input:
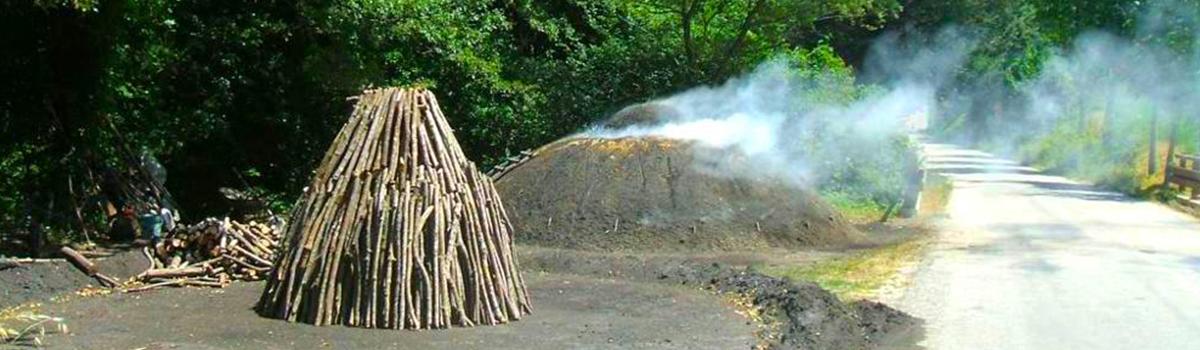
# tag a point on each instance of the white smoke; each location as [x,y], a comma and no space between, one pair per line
[1130,90]
[783,120]
[778,114]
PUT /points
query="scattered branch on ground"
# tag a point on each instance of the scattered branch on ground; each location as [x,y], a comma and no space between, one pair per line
[24,325]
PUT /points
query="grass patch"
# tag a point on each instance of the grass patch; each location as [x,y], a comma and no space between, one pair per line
[935,195]
[854,208]
[859,275]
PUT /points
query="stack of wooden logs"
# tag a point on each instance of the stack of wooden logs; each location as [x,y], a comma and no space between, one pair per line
[211,253]
[398,229]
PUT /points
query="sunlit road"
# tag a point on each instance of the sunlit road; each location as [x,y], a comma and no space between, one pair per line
[1031,261]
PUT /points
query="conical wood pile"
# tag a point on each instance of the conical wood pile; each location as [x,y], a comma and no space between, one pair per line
[398,229]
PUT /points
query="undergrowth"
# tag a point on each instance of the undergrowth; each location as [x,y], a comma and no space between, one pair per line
[859,275]
[935,195]
[854,208]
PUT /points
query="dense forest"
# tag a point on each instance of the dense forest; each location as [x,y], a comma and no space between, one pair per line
[248,94]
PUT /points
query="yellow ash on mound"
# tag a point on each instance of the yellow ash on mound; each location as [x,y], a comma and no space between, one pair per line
[617,146]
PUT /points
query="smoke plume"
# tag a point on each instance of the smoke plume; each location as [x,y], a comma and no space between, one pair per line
[781,116]
[805,127]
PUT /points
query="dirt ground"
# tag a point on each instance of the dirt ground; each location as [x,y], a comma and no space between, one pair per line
[795,314]
[38,281]
[571,312]
[582,300]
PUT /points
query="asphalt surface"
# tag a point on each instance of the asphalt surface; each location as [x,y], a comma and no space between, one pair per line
[1030,261]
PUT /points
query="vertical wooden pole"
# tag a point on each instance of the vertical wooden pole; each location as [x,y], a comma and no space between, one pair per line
[1194,165]
[1109,117]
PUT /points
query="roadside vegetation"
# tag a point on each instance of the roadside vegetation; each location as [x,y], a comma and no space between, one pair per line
[858,275]
[867,273]
[1090,154]
[1097,93]
[935,196]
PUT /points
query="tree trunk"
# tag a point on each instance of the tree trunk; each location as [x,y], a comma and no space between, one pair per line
[1152,163]
[731,51]
[1109,120]
[689,46]
[35,237]
[887,212]
[36,234]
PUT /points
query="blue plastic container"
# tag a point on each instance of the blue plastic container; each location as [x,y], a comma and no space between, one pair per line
[151,226]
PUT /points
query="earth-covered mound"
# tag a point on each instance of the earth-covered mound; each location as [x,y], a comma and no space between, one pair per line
[642,114]
[650,194]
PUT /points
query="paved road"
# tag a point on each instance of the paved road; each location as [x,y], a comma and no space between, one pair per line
[1031,261]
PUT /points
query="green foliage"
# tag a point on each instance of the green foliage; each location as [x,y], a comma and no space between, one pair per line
[213,88]
[720,37]
[867,174]
[1116,160]
[1087,137]
[861,173]
[854,206]
[829,79]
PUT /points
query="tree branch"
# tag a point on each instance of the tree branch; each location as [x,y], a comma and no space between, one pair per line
[686,16]
[731,50]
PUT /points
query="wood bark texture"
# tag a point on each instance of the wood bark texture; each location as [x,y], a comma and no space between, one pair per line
[398,229]
[210,253]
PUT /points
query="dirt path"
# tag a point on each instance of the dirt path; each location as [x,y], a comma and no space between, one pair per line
[570,312]
[1031,261]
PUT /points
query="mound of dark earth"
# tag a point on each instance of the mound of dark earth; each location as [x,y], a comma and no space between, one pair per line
[653,193]
[43,280]
[809,317]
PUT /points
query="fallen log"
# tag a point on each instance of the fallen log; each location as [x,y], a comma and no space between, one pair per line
[83,264]
[176,272]
[15,262]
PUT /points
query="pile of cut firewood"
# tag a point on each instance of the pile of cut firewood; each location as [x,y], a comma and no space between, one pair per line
[211,253]
[398,229]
